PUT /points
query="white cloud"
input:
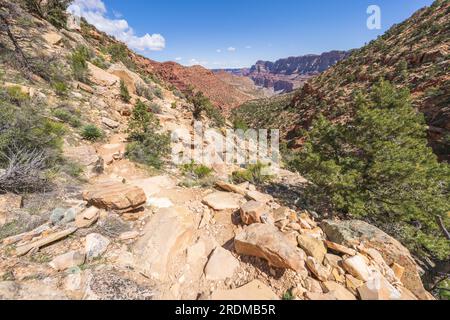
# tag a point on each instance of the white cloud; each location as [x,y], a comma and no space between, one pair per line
[219,50]
[248,47]
[178,58]
[95,12]
[231,49]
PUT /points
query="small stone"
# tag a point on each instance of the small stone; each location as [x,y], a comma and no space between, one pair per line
[129,235]
[252,211]
[110,123]
[221,265]
[96,245]
[281,214]
[90,213]
[260,197]
[67,261]
[357,267]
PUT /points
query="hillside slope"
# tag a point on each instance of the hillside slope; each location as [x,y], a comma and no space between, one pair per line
[414,54]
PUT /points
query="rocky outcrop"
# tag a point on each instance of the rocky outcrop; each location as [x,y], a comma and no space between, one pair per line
[353,232]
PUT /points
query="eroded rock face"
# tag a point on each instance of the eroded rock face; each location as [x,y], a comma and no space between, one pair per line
[267,242]
[355,231]
[116,196]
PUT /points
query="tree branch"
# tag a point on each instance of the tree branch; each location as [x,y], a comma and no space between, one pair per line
[440,222]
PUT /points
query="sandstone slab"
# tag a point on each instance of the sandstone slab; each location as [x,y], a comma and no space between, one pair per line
[313,247]
[221,265]
[267,242]
[115,196]
[222,201]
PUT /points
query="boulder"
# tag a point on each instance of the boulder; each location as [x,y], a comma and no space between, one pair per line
[96,245]
[222,201]
[267,242]
[255,290]
[131,79]
[312,246]
[221,265]
[352,283]
[357,267]
[101,77]
[87,218]
[355,231]
[110,123]
[118,197]
[84,155]
[252,211]
[68,260]
[52,38]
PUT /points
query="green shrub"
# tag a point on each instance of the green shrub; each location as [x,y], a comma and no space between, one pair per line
[144,91]
[100,62]
[30,144]
[173,105]
[379,166]
[240,124]
[124,94]
[60,88]
[197,171]
[254,173]
[78,61]
[16,95]
[118,52]
[54,11]
[147,145]
[155,108]
[203,105]
[67,117]
[158,92]
[91,132]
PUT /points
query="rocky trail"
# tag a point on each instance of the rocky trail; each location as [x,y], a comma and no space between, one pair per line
[127,232]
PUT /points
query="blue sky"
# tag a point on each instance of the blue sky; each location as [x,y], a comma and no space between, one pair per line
[237,33]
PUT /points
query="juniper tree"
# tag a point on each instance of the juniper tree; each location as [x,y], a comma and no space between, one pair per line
[378,166]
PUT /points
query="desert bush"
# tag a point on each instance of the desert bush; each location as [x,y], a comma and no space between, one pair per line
[68,117]
[196,171]
[30,144]
[203,105]
[144,91]
[124,94]
[54,11]
[78,61]
[254,173]
[379,166]
[16,96]
[100,62]
[60,88]
[147,145]
[155,108]
[158,92]
[91,132]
